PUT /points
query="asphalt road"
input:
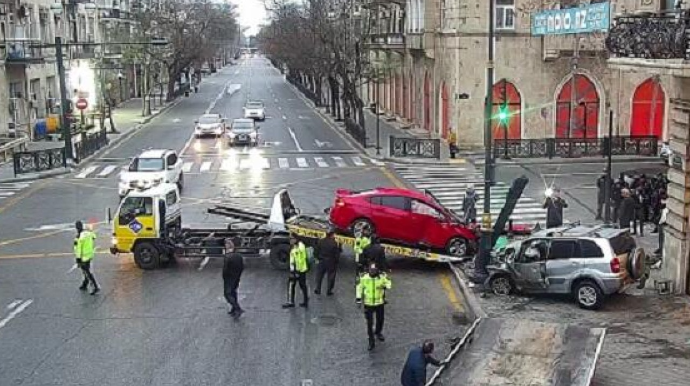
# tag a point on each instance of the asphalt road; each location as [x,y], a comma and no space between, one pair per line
[170,327]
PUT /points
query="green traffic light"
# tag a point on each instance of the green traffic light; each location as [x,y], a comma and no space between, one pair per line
[503,114]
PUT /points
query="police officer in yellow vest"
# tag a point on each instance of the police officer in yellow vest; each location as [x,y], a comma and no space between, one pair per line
[84,251]
[371,291]
[299,266]
[362,241]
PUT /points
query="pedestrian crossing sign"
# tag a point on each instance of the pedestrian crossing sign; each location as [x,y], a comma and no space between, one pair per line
[135,226]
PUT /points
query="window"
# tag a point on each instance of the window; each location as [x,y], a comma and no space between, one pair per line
[146,165]
[590,249]
[171,198]
[419,207]
[505,14]
[133,207]
[563,249]
[396,202]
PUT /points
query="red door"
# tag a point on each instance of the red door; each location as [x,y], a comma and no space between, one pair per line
[648,107]
[584,121]
[507,99]
[427,103]
[445,111]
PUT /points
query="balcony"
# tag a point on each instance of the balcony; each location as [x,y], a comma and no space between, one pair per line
[21,52]
[650,36]
[375,3]
[387,41]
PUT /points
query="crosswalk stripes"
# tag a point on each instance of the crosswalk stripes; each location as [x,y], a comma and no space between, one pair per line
[9,189]
[448,185]
[238,164]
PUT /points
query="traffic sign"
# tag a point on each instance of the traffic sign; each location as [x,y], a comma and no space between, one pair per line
[82,104]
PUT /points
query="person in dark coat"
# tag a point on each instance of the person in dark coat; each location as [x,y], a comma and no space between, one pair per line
[327,253]
[414,371]
[469,205]
[374,253]
[640,210]
[616,198]
[626,210]
[554,206]
[601,195]
[233,265]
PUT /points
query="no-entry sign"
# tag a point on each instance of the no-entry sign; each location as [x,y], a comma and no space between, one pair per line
[82,104]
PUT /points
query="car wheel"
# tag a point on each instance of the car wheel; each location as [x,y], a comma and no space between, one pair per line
[280,256]
[362,225]
[588,295]
[147,256]
[180,182]
[457,247]
[501,285]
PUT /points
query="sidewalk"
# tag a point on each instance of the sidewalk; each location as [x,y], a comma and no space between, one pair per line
[127,118]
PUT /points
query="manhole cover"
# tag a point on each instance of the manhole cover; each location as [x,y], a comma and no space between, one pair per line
[326,320]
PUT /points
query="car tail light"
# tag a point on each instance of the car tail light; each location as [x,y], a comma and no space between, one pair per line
[615,265]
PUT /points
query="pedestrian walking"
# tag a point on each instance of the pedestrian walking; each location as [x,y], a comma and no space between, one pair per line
[554,206]
[452,143]
[626,210]
[601,195]
[640,210]
[371,291]
[233,265]
[662,229]
[84,252]
[375,253]
[328,255]
[299,266]
[414,371]
[469,205]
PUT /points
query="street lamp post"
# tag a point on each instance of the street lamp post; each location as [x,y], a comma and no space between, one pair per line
[609,180]
[486,230]
[120,77]
[64,101]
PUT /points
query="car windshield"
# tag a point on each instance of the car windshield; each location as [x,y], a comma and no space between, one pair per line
[242,127]
[147,165]
[209,119]
[255,105]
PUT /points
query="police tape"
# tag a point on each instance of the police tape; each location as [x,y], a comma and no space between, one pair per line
[389,248]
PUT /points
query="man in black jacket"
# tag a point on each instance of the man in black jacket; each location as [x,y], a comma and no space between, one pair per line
[554,205]
[374,253]
[328,254]
[233,265]
[601,195]
[627,209]
[414,372]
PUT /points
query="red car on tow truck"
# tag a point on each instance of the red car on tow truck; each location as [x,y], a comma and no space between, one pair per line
[403,216]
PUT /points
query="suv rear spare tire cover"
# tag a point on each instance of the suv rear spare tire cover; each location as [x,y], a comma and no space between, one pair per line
[636,262]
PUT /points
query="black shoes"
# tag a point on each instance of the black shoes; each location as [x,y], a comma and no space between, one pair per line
[289,305]
[317,292]
[372,344]
[329,293]
[236,313]
[83,287]
[95,291]
[304,305]
[380,337]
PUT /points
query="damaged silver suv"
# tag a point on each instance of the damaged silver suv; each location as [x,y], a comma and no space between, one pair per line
[588,262]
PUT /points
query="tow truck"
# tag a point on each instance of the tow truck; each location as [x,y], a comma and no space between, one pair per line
[148,223]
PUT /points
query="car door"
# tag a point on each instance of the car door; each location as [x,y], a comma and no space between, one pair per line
[171,173]
[562,264]
[136,220]
[529,267]
[391,216]
[426,229]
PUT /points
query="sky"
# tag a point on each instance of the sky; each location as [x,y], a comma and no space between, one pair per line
[252,14]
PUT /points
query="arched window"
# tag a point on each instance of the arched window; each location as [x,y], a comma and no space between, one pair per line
[648,108]
[577,109]
[506,102]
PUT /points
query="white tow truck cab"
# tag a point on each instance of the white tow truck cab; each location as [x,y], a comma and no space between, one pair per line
[151,167]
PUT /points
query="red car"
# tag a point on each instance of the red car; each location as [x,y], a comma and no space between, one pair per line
[404,216]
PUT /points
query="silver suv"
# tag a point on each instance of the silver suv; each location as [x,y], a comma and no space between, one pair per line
[588,262]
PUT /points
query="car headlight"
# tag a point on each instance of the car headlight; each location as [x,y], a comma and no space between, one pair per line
[113,241]
[231,135]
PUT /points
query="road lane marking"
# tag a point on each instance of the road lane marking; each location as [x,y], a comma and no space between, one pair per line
[7,194]
[320,162]
[284,117]
[357,161]
[15,312]
[264,163]
[339,162]
[228,165]
[245,164]
[187,167]
[302,163]
[203,263]
[14,304]
[206,166]
[283,163]
[450,291]
[85,173]
[294,139]
[106,171]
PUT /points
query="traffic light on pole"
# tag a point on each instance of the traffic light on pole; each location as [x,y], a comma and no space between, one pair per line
[503,114]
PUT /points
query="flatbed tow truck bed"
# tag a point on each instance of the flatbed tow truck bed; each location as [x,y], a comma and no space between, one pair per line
[502,352]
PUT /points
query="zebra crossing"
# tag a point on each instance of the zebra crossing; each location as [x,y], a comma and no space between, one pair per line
[9,189]
[448,185]
[236,164]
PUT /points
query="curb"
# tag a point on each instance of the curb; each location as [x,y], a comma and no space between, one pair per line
[589,160]
[475,311]
[39,176]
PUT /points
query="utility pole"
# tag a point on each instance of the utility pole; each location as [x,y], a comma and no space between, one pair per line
[64,101]
[486,236]
[609,179]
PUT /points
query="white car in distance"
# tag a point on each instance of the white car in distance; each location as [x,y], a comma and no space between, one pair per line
[151,168]
[255,110]
[209,124]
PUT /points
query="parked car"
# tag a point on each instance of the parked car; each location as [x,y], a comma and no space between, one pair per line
[590,263]
[150,168]
[209,124]
[243,132]
[255,110]
[404,216]
[665,153]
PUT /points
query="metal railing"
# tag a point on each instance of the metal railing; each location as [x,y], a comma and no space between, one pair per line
[357,132]
[661,35]
[89,144]
[415,147]
[39,160]
[11,145]
[575,147]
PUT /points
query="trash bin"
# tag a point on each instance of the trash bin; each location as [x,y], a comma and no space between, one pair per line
[41,129]
[52,123]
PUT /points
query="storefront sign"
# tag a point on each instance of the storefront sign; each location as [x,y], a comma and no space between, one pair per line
[585,19]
